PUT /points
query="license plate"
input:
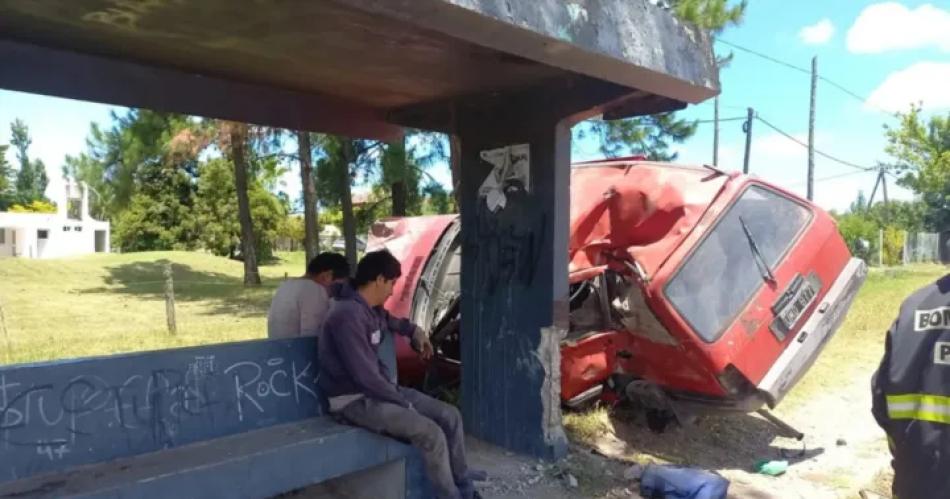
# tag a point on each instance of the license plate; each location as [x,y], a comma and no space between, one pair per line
[794,308]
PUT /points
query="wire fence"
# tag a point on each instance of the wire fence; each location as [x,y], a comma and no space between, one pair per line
[894,247]
[921,247]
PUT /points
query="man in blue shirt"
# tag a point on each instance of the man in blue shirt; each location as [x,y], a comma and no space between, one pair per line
[363,392]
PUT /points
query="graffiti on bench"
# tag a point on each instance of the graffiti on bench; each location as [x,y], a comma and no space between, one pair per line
[60,414]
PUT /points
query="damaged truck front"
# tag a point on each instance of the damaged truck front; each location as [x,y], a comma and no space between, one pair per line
[692,290]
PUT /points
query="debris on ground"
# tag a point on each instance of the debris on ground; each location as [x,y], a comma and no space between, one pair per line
[571,481]
[516,476]
[771,468]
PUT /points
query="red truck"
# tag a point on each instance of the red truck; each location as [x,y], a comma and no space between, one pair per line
[692,289]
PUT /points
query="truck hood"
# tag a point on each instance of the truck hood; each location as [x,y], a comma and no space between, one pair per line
[620,209]
[631,209]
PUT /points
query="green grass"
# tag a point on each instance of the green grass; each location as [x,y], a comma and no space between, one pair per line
[858,346]
[587,426]
[105,304]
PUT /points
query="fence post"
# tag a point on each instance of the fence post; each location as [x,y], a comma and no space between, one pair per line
[906,251]
[8,354]
[880,247]
[170,300]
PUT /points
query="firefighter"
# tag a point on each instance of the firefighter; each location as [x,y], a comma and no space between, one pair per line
[911,393]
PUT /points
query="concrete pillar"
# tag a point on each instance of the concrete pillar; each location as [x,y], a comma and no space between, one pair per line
[514,277]
[514,255]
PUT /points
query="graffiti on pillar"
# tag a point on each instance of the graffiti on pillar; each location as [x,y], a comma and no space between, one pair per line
[511,172]
[507,253]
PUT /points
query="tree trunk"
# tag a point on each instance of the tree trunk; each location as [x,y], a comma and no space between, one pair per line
[455,164]
[399,196]
[248,251]
[311,230]
[349,219]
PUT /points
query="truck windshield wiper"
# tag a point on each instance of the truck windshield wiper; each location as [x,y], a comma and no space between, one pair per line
[763,267]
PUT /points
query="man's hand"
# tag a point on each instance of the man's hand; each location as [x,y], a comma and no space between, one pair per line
[420,339]
[427,351]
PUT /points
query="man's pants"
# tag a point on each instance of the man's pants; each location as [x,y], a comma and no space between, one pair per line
[432,426]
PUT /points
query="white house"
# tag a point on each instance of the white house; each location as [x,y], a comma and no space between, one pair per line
[54,235]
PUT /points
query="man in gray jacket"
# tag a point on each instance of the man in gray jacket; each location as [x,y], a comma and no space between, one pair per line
[364,393]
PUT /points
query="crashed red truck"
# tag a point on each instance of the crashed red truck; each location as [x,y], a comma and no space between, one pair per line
[691,289]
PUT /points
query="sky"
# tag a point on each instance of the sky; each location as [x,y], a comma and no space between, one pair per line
[887,54]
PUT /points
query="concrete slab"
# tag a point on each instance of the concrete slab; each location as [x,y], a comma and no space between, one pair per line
[364,56]
[259,463]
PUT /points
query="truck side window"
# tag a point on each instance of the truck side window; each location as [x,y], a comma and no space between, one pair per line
[585,305]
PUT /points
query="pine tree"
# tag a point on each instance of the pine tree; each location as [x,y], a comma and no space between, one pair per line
[652,136]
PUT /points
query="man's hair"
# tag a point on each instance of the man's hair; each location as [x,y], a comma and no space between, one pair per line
[375,264]
[333,262]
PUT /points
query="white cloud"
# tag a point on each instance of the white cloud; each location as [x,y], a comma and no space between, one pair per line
[818,33]
[923,81]
[891,26]
[775,146]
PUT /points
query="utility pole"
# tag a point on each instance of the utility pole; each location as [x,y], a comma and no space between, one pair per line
[811,130]
[747,128]
[884,191]
[716,131]
[877,182]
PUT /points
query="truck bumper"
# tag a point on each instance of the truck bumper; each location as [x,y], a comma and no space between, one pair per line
[811,339]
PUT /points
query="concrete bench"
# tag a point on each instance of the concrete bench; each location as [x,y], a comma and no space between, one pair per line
[233,420]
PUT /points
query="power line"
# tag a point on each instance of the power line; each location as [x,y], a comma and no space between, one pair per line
[764,56]
[841,175]
[853,94]
[721,120]
[820,153]
[789,65]
[832,177]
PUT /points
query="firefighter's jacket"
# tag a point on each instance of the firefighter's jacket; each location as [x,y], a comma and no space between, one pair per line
[911,393]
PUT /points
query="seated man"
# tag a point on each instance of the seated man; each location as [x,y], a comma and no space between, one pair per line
[342,290]
[363,392]
[300,305]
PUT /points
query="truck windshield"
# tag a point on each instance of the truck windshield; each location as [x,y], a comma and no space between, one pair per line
[722,274]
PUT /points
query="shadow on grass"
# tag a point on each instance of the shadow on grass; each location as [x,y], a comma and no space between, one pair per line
[226,293]
[714,442]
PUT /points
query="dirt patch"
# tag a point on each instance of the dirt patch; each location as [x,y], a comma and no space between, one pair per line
[513,475]
[842,453]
